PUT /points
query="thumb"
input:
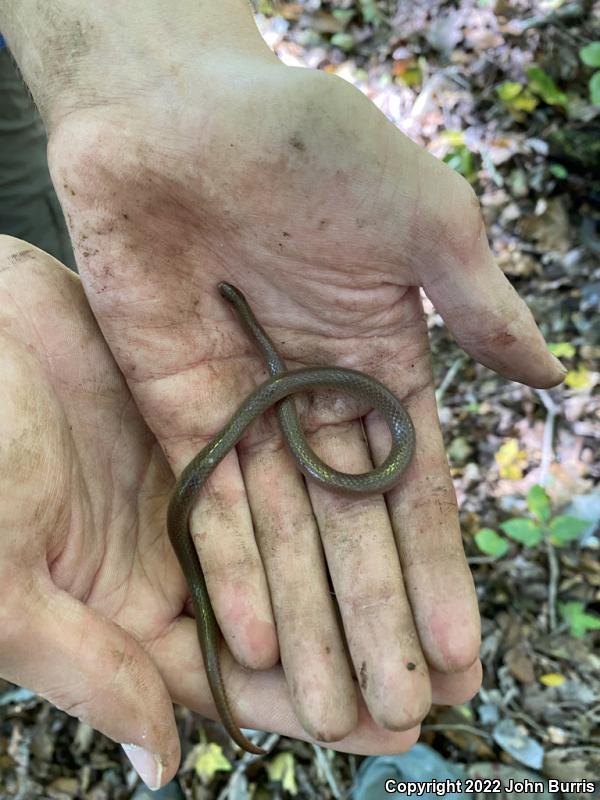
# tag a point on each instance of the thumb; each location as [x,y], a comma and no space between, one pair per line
[91,668]
[461,278]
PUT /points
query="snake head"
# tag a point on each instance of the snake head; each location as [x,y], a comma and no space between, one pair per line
[230,292]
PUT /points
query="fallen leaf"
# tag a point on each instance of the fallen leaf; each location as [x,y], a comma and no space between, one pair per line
[578,378]
[552,679]
[511,460]
[206,759]
[282,769]
[519,662]
[517,742]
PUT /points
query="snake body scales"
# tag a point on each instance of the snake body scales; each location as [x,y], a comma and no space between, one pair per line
[277,389]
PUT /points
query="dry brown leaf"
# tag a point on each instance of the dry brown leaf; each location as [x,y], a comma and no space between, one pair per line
[519,662]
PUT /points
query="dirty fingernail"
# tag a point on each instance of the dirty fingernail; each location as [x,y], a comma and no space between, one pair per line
[147,765]
[559,364]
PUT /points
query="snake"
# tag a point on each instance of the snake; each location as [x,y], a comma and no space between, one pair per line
[277,390]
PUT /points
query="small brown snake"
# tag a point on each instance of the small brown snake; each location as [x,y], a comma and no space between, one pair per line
[277,389]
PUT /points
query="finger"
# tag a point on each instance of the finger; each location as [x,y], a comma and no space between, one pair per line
[223,533]
[457,688]
[425,517]
[312,649]
[221,523]
[260,699]
[186,394]
[90,668]
[461,278]
[368,581]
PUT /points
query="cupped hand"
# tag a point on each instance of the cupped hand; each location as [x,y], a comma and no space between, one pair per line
[92,600]
[291,185]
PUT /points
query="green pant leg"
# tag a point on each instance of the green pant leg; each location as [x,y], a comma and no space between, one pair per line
[29,207]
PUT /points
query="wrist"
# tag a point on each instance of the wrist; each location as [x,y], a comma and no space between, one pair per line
[86,55]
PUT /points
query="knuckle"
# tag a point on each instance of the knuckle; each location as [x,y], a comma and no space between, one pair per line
[461,223]
[232,565]
[367,600]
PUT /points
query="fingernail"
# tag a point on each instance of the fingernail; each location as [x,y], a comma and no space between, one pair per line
[147,765]
[559,364]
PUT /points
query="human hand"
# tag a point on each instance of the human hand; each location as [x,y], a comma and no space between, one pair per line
[91,596]
[189,165]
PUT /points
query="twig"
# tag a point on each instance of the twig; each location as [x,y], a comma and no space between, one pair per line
[548,438]
[304,784]
[482,559]
[233,784]
[553,576]
[539,729]
[448,378]
[458,727]
[324,764]
[547,454]
[564,14]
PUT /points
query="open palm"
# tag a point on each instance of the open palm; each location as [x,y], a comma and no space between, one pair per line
[291,185]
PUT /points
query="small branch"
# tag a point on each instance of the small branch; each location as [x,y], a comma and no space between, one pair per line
[458,727]
[237,777]
[548,438]
[547,456]
[553,577]
[566,13]
[325,766]
[482,559]
[448,378]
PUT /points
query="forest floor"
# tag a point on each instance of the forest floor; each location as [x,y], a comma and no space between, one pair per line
[501,91]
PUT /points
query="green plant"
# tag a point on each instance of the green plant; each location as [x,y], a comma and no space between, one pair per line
[541,84]
[459,157]
[521,99]
[590,56]
[371,13]
[562,349]
[530,531]
[578,619]
[517,98]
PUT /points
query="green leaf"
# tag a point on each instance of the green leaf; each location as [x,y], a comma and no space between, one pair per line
[538,503]
[562,349]
[558,171]
[208,758]
[542,84]
[590,54]
[524,531]
[454,138]
[595,89]
[525,101]
[491,543]
[345,41]
[282,769]
[579,621]
[461,160]
[508,90]
[565,529]
[343,14]
[579,378]
[370,11]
